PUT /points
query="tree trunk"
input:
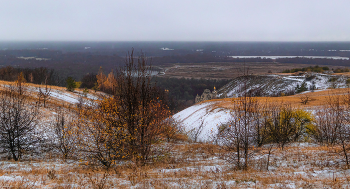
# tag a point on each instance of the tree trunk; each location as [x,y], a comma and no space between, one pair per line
[268,158]
[345,154]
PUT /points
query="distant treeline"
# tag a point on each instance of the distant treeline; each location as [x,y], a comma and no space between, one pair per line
[77,64]
[32,53]
[36,75]
[317,69]
[178,92]
[310,69]
[187,89]
[183,91]
[202,58]
[317,61]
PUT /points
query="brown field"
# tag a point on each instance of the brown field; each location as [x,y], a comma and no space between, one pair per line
[317,98]
[227,70]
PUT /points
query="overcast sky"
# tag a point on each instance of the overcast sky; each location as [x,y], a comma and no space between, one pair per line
[175,20]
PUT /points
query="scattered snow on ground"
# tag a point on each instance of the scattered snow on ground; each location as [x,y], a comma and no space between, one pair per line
[64,96]
[10,178]
[201,121]
[271,85]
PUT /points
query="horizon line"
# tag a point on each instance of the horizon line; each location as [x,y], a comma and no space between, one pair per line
[204,41]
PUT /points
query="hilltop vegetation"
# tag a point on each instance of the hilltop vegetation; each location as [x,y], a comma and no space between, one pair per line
[189,163]
[281,85]
[309,69]
[121,133]
[101,130]
[316,69]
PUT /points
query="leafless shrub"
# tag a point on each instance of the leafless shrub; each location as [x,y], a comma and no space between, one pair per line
[332,123]
[64,130]
[262,116]
[305,99]
[195,132]
[330,120]
[344,134]
[44,94]
[327,125]
[18,121]
[173,131]
[80,102]
[51,174]
[238,136]
[98,181]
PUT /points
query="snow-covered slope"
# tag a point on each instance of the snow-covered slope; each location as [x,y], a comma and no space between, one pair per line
[67,96]
[58,94]
[201,121]
[274,85]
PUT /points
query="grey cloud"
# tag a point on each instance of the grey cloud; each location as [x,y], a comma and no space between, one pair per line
[180,20]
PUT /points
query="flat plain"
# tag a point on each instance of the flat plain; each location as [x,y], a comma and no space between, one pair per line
[228,70]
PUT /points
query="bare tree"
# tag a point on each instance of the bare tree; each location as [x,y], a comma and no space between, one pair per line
[239,135]
[262,116]
[127,124]
[344,133]
[305,99]
[20,82]
[332,123]
[18,121]
[330,120]
[140,109]
[44,94]
[64,128]
[327,125]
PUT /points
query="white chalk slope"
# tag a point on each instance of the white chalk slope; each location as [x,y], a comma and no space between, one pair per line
[201,121]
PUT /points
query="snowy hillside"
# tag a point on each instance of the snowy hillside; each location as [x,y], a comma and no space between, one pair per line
[274,85]
[201,121]
[58,94]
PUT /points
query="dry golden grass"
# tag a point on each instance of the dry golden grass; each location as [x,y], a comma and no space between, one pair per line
[317,98]
[53,102]
[193,166]
[37,86]
[344,74]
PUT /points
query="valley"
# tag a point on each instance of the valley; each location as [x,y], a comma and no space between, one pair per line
[195,161]
[228,70]
[271,123]
[174,94]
